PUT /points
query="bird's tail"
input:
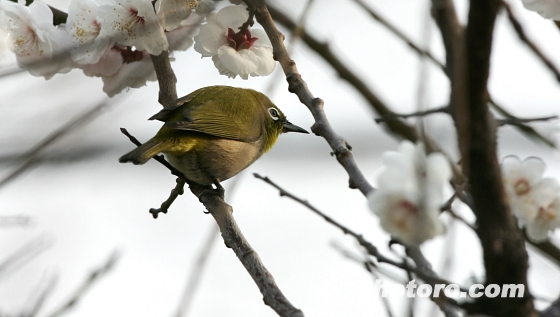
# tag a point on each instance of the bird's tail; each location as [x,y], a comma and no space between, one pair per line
[143,153]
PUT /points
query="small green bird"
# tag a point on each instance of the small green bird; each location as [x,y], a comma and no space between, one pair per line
[214,133]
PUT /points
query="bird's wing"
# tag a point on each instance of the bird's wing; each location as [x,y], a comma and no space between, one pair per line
[211,118]
[168,111]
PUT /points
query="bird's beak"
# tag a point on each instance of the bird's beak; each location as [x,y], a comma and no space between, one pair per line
[290,127]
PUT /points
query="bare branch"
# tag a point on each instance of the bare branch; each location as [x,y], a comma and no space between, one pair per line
[298,86]
[520,121]
[12,221]
[93,277]
[31,156]
[393,29]
[368,246]
[505,257]
[175,192]
[443,12]
[166,78]
[447,307]
[395,116]
[521,33]
[23,255]
[196,273]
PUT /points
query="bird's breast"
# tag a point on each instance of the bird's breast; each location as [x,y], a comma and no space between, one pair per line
[215,158]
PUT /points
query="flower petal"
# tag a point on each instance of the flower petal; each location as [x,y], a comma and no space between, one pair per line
[242,62]
[265,60]
[232,17]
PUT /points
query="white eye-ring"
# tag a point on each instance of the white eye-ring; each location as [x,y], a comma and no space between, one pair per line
[273,113]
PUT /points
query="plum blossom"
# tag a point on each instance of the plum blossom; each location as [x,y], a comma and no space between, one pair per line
[547,219]
[235,51]
[133,23]
[534,200]
[89,40]
[409,193]
[548,9]
[171,12]
[109,63]
[181,38]
[134,75]
[39,46]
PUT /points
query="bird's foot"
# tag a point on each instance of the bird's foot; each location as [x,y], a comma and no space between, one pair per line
[218,191]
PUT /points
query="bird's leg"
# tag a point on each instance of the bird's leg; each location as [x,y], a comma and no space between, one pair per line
[219,189]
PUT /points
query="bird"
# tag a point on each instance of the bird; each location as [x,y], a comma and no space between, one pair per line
[215,132]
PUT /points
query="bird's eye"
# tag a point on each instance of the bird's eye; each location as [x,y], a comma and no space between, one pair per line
[273,113]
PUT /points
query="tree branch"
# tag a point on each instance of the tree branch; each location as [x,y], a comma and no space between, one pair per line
[505,257]
[521,33]
[398,127]
[93,277]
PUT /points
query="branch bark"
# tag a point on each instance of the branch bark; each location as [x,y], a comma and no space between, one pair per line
[504,253]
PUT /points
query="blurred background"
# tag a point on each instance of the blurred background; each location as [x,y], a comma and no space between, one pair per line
[76,207]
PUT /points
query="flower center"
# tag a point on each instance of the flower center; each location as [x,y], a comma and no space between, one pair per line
[409,207]
[522,187]
[241,40]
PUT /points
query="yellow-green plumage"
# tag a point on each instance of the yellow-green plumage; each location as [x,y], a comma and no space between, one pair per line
[214,133]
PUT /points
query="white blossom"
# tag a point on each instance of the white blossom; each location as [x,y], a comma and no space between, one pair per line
[39,46]
[171,12]
[547,219]
[548,9]
[110,62]
[534,200]
[130,75]
[181,38]
[525,187]
[234,51]
[84,25]
[133,23]
[409,193]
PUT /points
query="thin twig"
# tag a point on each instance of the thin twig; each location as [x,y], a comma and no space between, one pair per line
[448,308]
[31,156]
[38,299]
[297,85]
[393,29]
[175,192]
[12,221]
[423,113]
[23,255]
[196,273]
[368,246]
[523,36]
[524,129]
[93,277]
[369,266]
[520,121]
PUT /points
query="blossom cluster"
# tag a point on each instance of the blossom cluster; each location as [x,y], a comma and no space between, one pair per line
[410,193]
[534,200]
[114,39]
